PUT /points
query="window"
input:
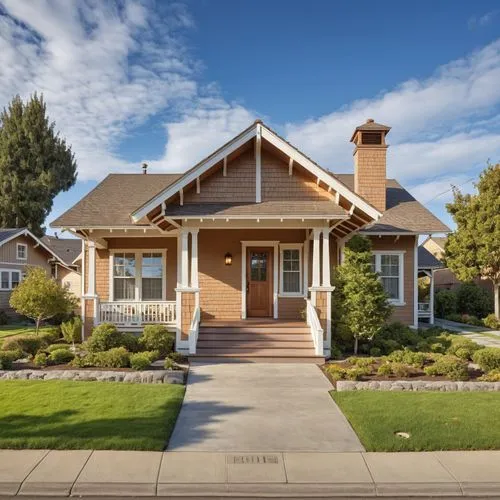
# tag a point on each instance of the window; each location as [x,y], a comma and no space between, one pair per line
[138,276]
[389,266]
[22,251]
[9,279]
[291,270]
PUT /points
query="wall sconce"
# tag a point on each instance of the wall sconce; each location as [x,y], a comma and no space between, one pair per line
[228,259]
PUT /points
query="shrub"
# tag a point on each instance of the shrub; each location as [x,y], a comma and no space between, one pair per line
[488,358]
[29,344]
[8,357]
[142,360]
[462,347]
[178,357]
[356,373]
[104,337]
[72,330]
[445,303]
[361,362]
[130,342]
[4,319]
[400,369]
[335,371]
[491,321]
[492,376]
[335,353]
[157,338]
[41,360]
[449,366]
[375,352]
[60,356]
[170,365]
[118,357]
[50,335]
[384,370]
[473,300]
[416,359]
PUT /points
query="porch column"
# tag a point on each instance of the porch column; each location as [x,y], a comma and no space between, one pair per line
[431,298]
[326,257]
[184,281]
[90,300]
[91,272]
[316,258]
[194,258]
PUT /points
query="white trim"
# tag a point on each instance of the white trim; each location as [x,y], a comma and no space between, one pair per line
[91,270]
[415,283]
[316,258]
[401,254]
[194,258]
[326,275]
[10,271]
[184,256]
[239,141]
[401,233]
[291,246]
[22,245]
[244,246]
[82,302]
[139,252]
[258,167]
[307,246]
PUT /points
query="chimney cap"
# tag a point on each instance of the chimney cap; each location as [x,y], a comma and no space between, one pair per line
[371,126]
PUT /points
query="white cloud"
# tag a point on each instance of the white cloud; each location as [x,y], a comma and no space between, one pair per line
[485,19]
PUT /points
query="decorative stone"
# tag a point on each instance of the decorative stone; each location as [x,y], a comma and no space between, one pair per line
[417,385]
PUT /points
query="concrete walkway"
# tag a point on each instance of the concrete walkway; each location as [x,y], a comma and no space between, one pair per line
[246,407]
[474,333]
[45,473]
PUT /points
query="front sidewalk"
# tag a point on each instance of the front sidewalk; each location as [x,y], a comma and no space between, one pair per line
[204,474]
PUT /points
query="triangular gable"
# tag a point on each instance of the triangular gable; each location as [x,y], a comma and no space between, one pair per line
[261,131]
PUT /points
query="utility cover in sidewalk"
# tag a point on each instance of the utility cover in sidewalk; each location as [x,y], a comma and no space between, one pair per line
[252,459]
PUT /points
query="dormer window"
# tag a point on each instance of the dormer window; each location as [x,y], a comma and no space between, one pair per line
[22,251]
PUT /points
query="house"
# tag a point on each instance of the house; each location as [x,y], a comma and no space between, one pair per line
[428,265]
[244,243]
[19,249]
[444,278]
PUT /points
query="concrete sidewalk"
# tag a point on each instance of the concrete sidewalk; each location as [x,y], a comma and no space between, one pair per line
[204,474]
[475,333]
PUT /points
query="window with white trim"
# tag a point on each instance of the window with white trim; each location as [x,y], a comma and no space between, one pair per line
[138,276]
[9,279]
[22,251]
[389,266]
[291,269]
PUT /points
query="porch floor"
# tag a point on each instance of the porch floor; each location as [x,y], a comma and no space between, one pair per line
[255,340]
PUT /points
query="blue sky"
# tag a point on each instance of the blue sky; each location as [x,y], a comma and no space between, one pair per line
[167,83]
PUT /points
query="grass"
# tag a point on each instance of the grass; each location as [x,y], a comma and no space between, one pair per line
[87,415]
[11,330]
[435,421]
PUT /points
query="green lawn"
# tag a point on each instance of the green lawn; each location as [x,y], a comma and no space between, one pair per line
[435,421]
[87,415]
[11,330]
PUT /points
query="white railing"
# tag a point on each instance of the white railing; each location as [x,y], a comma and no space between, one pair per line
[424,309]
[315,326]
[193,331]
[137,313]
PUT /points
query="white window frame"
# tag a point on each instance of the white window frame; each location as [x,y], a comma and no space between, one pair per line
[378,267]
[22,245]
[292,246]
[138,273]
[10,271]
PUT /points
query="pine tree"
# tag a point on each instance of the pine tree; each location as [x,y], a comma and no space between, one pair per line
[360,300]
[35,164]
[473,250]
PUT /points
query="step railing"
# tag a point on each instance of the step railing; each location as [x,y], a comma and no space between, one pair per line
[315,327]
[194,330]
[137,313]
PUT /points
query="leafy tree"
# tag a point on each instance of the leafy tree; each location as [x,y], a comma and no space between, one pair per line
[39,297]
[474,248]
[35,164]
[360,302]
[72,330]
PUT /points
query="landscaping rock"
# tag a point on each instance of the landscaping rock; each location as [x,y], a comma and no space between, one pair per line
[174,377]
[417,385]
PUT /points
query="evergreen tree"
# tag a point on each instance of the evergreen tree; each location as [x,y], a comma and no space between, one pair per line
[35,164]
[360,302]
[473,250]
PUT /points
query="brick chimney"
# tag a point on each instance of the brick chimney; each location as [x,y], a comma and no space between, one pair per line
[370,162]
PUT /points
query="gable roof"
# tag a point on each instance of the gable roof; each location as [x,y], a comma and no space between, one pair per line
[426,260]
[8,234]
[403,214]
[440,241]
[68,249]
[256,129]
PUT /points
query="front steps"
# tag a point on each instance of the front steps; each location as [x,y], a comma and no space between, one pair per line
[263,341]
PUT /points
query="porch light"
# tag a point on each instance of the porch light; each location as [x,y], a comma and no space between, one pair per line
[228,259]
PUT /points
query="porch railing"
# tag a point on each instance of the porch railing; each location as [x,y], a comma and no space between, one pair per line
[137,313]
[193,331]
[424,309]
[315,326]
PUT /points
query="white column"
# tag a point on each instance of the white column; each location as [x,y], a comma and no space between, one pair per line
[415,283]
[258,173]
[194,258]
[306,265]
[316,257]
[326,257]
[431,321]
[91,270]
[184,260]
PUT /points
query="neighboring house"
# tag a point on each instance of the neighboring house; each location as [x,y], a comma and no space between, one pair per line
[67,271]
[244,243]
[19,249]
[444,278]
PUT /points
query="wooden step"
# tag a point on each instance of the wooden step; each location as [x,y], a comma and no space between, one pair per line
[319,360]
[255,337]
[253,344]
[230,330]
[245,323]
[256,352]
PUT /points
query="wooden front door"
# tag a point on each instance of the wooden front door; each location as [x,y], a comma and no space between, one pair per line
[259,282]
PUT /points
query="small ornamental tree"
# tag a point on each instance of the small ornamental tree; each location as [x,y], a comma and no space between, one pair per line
[359,298]
[39,297]
[72,330]
[474,248]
